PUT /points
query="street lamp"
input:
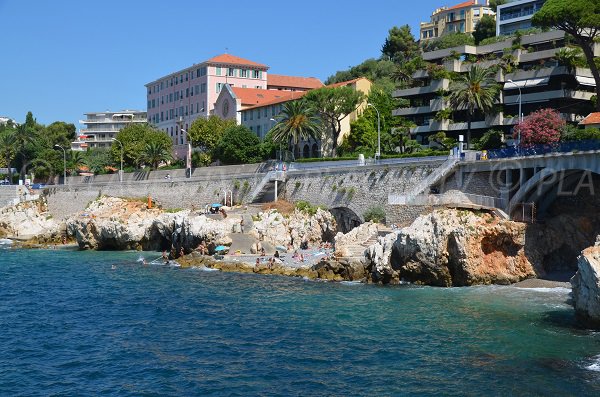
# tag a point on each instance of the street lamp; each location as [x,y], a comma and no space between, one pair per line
[121,171]
[280,150]
[64,163]
[378,154]
[188,162]
[520,102]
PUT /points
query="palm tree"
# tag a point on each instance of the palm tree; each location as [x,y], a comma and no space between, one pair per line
[75,160]
[296,121]
[156,153]
[23,136]
[7,148]
[474,90]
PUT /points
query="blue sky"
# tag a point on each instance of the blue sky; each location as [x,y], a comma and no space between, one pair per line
[62,58]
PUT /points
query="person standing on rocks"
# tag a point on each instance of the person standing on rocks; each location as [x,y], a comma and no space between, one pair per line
[242,225]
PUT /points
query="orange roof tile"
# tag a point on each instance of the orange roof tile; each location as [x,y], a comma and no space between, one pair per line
[290,96]
[592,118]
[256,96]
[233,60]
[279,80]
[463,5]
[344,83]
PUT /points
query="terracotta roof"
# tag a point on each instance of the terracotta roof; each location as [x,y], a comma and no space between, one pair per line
[233,60]
[463,5]
[256,96]
[289,96]
[592,118]
[279,80]
[344,83]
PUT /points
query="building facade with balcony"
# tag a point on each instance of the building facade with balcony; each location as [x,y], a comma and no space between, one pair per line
[260,118]
[101,127]
[516,15]
[174,101]
[531,71]
[461,18]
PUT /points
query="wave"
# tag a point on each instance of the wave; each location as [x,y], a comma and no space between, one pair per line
[351,282]
[6,241]
[595,366]
[204,269]
[561,290]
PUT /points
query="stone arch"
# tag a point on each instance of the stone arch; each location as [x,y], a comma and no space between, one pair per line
[346,218]
[315,150]
[545,185]
[306,151]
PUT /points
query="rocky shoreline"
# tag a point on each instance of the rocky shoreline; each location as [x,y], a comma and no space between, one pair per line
[444,248]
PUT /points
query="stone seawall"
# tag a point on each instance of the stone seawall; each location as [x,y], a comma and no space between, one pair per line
[67,200]
[360,188]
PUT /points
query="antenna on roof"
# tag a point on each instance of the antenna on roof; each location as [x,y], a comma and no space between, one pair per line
[226,50]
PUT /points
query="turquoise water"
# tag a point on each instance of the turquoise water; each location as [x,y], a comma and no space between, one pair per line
[72,325]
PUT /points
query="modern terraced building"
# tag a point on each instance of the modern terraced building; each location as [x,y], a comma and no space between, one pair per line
[528,66]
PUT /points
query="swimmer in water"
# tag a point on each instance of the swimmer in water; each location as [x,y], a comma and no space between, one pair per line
[113,267]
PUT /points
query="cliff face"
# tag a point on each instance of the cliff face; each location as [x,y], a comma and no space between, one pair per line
[452,248]
[586,287]
[27,221]
[116,224]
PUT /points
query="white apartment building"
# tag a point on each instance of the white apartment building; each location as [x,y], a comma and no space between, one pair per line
[101,127]
[516,15]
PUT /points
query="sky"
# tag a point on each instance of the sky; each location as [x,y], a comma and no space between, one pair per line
[63,58]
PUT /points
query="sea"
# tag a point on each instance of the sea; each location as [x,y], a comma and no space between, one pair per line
[104,324]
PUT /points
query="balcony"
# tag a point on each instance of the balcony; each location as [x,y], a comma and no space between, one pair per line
[548,95]
[435,85]
[538,55]
[536,74]
[411,111]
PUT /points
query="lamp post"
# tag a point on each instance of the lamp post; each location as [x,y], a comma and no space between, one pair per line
[188,161]
[378,154]
[64,163]
[121,171]
[520,103]
[280,156]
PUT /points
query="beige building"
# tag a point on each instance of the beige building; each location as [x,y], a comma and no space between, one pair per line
[260,118]
[461,18]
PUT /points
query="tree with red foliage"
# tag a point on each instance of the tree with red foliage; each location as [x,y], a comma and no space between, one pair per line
[540,127]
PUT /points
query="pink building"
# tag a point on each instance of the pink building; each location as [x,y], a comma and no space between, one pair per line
[176,100]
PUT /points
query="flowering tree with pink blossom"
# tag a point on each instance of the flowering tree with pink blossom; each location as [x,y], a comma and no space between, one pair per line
[540,127]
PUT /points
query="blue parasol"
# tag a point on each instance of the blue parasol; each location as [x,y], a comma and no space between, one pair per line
[221,248]
[216,205]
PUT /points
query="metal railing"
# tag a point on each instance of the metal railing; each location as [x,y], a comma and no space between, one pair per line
[538,150]
[451,199]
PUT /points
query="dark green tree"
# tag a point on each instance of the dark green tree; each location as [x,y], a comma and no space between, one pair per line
[495,3]
[7,149]
[580,19]
[334,105]
[155,153]
[238,145]
[134,138]
[485,28]
[206,133]
[473,91]
[297,121]
[29,120]
[400,45]
[448,41]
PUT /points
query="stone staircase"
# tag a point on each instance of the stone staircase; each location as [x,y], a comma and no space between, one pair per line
[7,195]
[265,189]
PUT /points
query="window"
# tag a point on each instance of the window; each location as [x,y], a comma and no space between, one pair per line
[476,12]
[186,77]
[181,78]
[245,116]
[258,114]
[258,130]
[231,72]
[243,72]
[244,86]
[218,71]
[197,89]
[266,109]
[161,116]
[187,92]
[219,87]
[203,87]
[251,114]
[259,87]
[171,97]
[256,74]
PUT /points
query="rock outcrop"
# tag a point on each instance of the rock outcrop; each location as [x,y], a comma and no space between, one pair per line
[116,224]
[29,221]
[586,287]
[452,248]
[354,242]
[278,229]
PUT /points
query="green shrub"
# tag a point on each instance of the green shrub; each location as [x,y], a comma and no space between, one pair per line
[375,214]
[307,207]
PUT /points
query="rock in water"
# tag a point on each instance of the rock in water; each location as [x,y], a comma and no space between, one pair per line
[452,248]
[586,287]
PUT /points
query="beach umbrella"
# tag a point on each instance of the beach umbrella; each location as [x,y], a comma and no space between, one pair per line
[281,248]
[221,248]
[216,205]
